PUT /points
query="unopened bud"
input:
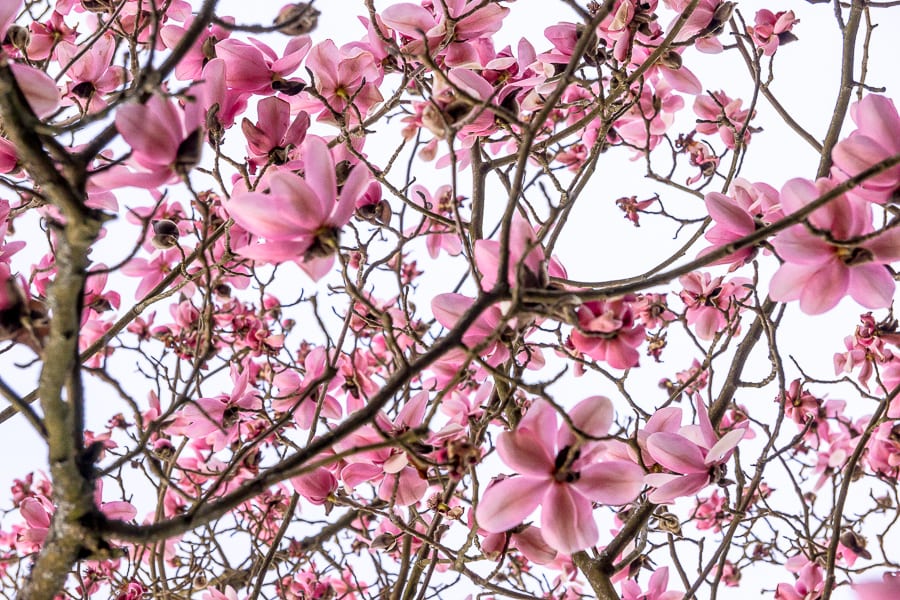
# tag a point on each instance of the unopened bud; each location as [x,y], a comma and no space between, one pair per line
[165,234]
[18,36]
[297,19]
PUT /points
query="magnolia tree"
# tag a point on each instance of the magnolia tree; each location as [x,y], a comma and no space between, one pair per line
[284,316]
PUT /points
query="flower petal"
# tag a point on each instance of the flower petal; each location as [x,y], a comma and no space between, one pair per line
[676,453]
[611,482]
[567,520]
[507,503]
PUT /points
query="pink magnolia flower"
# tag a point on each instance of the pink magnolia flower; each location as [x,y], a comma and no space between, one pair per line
[607,330]
[165,138]
[423,29]
[255,68]
[300,218]
[656,588]
[720,114]
[820,271]
[710,303]
[274,137]
[343,77]
[772,29]
[438,236]
[190,67]
[92,74]
[390,468]
[750,206]
[560,472]
[810,582]
[695,455]
[877,137]
[524,253]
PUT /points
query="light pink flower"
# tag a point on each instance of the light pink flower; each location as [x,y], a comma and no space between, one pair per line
[809,584]
[656,588]
[300,218]
[820,272]
[876,138]
[525,253]
[772,29]
[719,113]
[696,456]
[711,303]
[559,472]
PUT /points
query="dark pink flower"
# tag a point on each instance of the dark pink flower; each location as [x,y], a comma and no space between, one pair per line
[607,330]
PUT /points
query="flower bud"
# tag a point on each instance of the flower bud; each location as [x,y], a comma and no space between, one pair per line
[165,234]
[297,19]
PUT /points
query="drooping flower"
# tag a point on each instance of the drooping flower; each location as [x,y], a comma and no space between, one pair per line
[695,456]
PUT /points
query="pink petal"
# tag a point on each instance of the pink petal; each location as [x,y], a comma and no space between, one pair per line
[318,171]
[306,209]
[123,511]
[532,545]
[679,486]
[611,482]
[871,285]
[507,503]
[523,452]
[39,88]
[676,453]
[356,185]
[448,308]
[409,487]
[877,116]
[825,288]
[409,19]
[315,486]
[274,116]
[266,215]
[593,416]
[724,447]
[541,423]
[356,473]
[567,520]
[34,513]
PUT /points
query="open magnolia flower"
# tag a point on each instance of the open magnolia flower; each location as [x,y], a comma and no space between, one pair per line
[561,472]
[300,217]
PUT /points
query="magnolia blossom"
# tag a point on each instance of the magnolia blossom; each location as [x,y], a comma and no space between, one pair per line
[820,270]
[300,218]
[876,138]
[560,472]
[695,456]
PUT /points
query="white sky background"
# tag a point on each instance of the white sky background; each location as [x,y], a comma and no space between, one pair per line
[806,82]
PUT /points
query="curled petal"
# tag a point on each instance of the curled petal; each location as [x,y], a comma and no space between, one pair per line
[676,453]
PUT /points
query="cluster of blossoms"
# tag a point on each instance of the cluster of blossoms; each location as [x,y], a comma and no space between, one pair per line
[334,341]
